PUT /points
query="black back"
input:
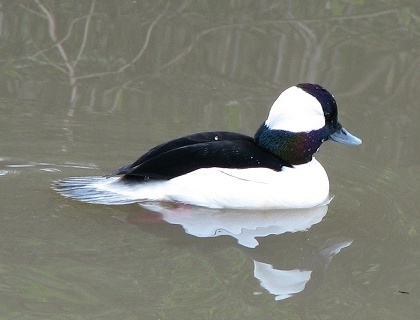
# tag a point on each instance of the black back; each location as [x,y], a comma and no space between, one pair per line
[200,150]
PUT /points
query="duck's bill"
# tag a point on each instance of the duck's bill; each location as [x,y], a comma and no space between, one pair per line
[343,136]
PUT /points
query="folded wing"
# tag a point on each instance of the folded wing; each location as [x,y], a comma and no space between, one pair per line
[201,150]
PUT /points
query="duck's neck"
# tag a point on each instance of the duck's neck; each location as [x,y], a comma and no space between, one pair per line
[293,147]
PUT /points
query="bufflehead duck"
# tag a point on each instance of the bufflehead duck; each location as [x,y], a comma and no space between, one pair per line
[275,169]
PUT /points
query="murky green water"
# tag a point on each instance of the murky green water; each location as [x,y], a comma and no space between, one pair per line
[86,87]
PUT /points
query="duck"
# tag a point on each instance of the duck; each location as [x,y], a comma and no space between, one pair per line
[275,169]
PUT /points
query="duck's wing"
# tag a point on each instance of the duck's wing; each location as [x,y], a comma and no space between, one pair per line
[201,150]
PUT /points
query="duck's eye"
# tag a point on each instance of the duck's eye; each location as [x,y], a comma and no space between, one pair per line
[327,116]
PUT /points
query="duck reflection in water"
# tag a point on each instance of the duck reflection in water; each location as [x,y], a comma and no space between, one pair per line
[249,228]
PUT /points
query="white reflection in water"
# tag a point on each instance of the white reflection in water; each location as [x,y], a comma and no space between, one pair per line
[284,284]
[245,226]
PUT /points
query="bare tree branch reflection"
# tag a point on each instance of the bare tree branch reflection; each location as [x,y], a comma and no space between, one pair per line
[70,65]
[136,58]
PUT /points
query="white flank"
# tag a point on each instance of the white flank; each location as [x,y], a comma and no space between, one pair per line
[303,186]
[297,111]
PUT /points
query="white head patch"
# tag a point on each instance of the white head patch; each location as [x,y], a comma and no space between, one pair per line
[297,111]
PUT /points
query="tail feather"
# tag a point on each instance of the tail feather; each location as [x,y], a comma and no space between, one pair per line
[97,190]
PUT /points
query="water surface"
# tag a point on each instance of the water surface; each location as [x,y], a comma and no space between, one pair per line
[87,87]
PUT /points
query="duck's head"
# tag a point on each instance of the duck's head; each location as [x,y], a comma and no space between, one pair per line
[300,120]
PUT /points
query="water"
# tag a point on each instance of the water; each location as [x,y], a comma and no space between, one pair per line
[130,75]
